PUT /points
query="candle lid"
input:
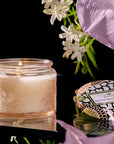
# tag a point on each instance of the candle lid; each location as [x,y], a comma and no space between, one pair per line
[96,98]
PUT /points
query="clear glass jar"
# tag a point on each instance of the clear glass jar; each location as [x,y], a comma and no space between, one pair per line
[27,87]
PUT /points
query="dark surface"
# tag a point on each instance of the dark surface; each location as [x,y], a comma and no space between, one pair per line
[27,32]
[33,136]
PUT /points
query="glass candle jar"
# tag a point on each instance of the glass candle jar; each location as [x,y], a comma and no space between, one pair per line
[27,87]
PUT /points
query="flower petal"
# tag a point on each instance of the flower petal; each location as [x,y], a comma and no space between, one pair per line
[47,11]
[53,18]
[74,55]
[97,18]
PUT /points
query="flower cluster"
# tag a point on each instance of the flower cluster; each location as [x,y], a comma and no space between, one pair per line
[72,44]
[56,8]
[77,44]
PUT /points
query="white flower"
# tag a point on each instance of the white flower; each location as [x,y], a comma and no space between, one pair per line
[49,3]
[78,52]
[71,34]
[58,9]
[68,47]
[74,50]
[13,138]
[46,1]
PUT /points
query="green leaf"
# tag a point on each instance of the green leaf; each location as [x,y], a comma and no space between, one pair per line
[47,142]
[75,62]
[91,41]
[83,118]
[80,98]
[26,140]
[77,109]
[82,63]
[87,66]
[92,49]
[64,21]
[41,141]
[77,68]
[82,40]
[89,69]
[84,70]
[92,58]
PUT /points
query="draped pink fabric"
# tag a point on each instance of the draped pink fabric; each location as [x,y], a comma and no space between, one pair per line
[76,136]
[97,18]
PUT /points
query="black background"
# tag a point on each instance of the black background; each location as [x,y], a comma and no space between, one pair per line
[26,32]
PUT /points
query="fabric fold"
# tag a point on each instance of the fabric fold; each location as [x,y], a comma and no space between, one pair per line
[97,18]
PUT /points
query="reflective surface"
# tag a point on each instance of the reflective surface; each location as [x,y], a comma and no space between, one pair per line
[44,123]
[95,128]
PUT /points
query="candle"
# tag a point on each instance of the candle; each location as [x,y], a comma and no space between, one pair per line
[27,87]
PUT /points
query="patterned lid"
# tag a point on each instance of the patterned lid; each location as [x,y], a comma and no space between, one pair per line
[96,98]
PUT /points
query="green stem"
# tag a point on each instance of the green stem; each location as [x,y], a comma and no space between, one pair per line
[77,109]
[69,20]
[26,140]
[71,14]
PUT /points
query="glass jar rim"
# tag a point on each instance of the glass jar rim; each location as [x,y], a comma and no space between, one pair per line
[26,62]
[25,65]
